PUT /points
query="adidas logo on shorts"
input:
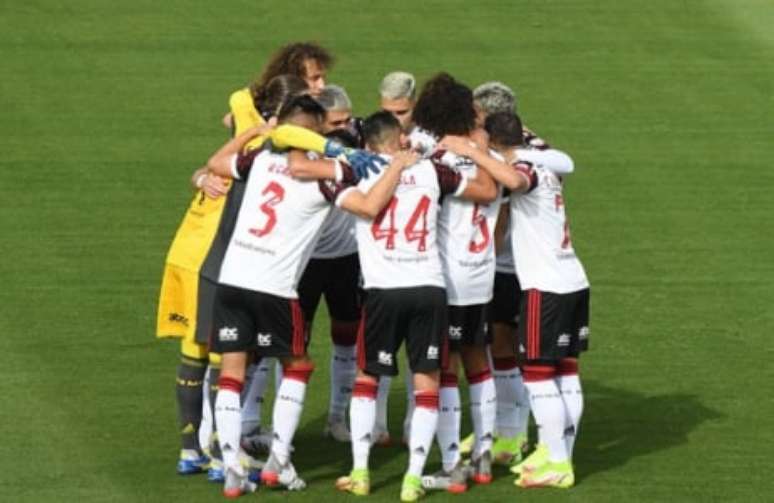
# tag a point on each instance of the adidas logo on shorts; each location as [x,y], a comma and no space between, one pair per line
[228,334]
[432,352]
[563,340]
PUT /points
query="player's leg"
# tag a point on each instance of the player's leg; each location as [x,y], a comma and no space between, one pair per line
[255,439]
[344,304]
[539,336]
[381,433]
[377,344]
[426,347]
[215,472]
[189,385]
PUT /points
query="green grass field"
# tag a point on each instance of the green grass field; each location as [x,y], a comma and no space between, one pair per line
[666,106]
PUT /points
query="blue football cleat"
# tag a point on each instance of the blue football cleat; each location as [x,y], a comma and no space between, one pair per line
[190,465]
[216,472]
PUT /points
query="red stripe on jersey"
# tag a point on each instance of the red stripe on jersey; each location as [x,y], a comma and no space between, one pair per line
[567,367]
[449,380]
[426,399]
[508,363]
[480,377]
[360,342]
[230,384]
[365,388]
[300,373]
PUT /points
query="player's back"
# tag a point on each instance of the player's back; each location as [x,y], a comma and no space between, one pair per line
[276,227]
[398,248]
[545,257]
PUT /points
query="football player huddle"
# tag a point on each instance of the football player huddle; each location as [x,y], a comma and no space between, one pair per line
[437,222]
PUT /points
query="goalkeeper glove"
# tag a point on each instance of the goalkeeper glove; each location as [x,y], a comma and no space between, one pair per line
[363,163]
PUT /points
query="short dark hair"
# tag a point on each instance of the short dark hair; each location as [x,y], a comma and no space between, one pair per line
[505,129]
[445,106]
[303,104]
[378,126]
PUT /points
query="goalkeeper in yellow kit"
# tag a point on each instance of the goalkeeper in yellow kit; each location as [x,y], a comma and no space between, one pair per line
[183,308]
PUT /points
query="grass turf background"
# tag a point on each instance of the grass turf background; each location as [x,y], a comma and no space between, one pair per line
[665,106]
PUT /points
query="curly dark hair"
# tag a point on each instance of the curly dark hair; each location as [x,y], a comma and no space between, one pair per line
[277,92]
[290,59]
[445,106]
[505,129]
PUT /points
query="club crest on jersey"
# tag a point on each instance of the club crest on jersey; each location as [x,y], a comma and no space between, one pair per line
[385,358]
[432,352]
[228,334]
[264,340]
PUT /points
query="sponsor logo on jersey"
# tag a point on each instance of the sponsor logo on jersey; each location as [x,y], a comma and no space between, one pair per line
[264,340]
[563,340]
[583,333]
[432,352]
[228,334]
[455,333]
[178,318]
[385,358]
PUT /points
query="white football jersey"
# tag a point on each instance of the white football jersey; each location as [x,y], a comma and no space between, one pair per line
[337,238]
[540,233]
[422,141]
[398,248]
[466,241]
[276,227]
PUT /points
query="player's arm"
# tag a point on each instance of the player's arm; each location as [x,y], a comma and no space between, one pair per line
[221,161]
[304,168]
[514,179]
[552,159]
[212,185]
[378,196]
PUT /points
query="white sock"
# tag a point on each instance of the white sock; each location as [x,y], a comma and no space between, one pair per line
[381,402]
[205,427]
[423,425]
[343,369]
[228,417]
[483,409]
[409,406]
[449,417]
[288,405]
[509,387]
[548,409]
[572,396]
[362,416]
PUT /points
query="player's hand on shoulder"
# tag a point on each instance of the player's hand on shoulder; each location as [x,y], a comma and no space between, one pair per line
[405,158]
[214,186]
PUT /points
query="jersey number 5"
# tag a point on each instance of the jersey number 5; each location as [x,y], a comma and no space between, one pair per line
[276,194]
[479,220]
[412,231]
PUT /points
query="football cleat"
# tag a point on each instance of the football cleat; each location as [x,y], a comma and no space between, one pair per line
[358,482]
[411,489]
[466,446]
[454,481]
[237,484]
[215,472]
[558,475]
[338,431]
[275,474]
[507,451]
[482,468]
[538,457]
[191,462]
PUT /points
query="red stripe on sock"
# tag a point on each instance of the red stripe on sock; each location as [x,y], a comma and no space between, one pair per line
[508,363]
[229,383]
[300,373]
[534,373]
[365,388]
[449,380]
[480,377]
[426,399]
[567,367]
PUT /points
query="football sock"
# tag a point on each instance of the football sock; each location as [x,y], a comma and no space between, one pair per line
[343,369]
[409,406]
[507,379]
[288,405]
[569,385]
[228,417]
[382,397]
[483,409]
[449,417]
[424,421]
[214,380]
[362,416]
[190,380]
[205,427]
[548,409]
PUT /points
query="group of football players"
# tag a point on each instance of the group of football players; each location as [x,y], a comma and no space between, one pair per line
[437,221]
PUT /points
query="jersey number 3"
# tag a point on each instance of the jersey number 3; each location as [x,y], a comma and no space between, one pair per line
[276,194]
[416,227]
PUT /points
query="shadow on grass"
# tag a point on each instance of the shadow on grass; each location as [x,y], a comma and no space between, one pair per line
[619,425]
